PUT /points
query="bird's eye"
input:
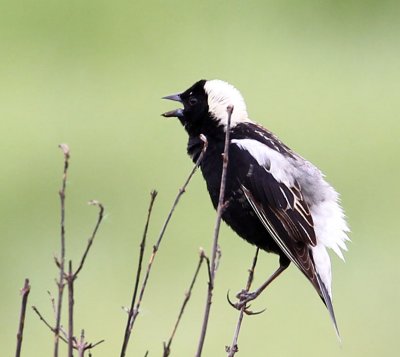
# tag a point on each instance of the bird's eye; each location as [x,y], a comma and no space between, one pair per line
[193,100]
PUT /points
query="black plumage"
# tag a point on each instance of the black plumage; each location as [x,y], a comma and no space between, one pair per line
[266,203]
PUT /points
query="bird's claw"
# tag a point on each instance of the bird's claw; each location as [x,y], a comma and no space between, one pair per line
[244,297]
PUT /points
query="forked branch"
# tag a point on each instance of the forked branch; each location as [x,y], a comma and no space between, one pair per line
[133,313]
[61,260]
[70,276]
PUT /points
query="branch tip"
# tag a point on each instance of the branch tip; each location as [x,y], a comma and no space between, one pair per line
[24,293]
[26,288]
[96,203]
[65,150]
[202,252]
[230,108]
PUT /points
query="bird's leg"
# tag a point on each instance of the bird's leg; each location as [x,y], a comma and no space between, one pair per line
[245,296]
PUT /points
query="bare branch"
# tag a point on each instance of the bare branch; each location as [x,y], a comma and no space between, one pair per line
[208,268]
[70,283]
[218,257]
[234,347]
[82,346]
[87,346]
[69,277]
[61,260]
[91,239]
[53,302]
[159,240]
[128,330]
[24,293]
[182,191]
[215,249]
[93,345]
[167,346]
[51,328]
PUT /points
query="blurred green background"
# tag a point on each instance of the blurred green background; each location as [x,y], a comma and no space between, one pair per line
[323,75]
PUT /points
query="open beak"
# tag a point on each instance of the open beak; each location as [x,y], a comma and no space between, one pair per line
[176,113]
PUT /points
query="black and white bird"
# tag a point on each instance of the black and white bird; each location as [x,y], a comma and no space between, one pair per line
[277,200]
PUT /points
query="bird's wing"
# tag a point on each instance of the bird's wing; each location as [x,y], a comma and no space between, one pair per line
[270,187]
[278,202]
[279,228]
[288,227]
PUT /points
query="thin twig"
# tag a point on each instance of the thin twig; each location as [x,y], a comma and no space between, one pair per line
[70,283]
[88,346]
[51,328]
[92,345]
[61,260]
[160,237]
[234,347]
[127,333]
[215,249]
[91,239]
[167,346]
[72,276]
[218,257]
[24,293]
[81,344]
[53,302]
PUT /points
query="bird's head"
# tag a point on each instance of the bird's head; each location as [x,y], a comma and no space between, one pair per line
[205,105]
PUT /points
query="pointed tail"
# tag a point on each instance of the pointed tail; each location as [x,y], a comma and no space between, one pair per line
[328,303]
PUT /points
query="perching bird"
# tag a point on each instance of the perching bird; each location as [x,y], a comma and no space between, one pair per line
[276,200]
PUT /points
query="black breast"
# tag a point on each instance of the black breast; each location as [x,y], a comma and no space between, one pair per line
[238,214]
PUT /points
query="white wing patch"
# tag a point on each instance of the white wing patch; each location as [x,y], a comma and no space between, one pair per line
[323,201]
[276,163]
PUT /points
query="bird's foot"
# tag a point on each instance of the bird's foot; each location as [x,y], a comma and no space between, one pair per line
[244,298]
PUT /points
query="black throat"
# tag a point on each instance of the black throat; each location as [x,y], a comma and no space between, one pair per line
[213,132]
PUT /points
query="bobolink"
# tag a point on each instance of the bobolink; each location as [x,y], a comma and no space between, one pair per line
[276,200]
